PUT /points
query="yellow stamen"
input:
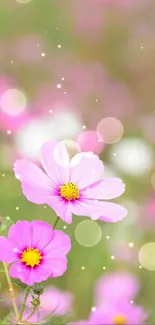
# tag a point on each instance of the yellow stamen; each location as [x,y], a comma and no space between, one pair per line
[120,320]
[31,257]
[69,191]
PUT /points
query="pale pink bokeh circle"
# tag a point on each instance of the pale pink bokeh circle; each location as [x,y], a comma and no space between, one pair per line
[110,130]
[90,141]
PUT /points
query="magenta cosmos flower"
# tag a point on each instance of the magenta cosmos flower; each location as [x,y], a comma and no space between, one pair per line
[35,251]
[118,313]
[71,186]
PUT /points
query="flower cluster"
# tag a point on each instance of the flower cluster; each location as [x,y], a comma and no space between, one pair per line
[35,251]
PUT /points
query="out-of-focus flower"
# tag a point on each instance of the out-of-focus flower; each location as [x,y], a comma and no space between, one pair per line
[116,286]
[118,313]
[9,121]
[36,251]
[71,186]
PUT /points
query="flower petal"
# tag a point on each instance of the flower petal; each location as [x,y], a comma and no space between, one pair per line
[21,233]
[55,160]
[61,207]
[42,234]
[108,188]
[86,168]
[59,246]
[28,275]
[7,254]
[106,211]
[58,266]
[36,185]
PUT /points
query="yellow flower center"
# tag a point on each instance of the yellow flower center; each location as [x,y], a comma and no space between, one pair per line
[69,191]
[31,257]
[120,320]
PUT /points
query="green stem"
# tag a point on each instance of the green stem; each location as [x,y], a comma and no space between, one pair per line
[11,291]
[31,314]
[23,305]
[56,221]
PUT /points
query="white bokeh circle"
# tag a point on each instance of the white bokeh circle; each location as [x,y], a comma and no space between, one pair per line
[13,102]
[146,256]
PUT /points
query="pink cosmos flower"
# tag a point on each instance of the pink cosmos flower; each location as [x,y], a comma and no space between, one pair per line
[120,313]
[35,251]
[71,186]
[115,286]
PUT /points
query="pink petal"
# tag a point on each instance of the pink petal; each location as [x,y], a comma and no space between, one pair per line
[28,275]
[106,211]
[21,233]
[61,207]
[36,185]
[86,168]
[7,254]
[58,266]
[42,234]
[59,246]
[108,188]
[55,160]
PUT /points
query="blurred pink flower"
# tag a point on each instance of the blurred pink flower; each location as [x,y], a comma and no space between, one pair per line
[8,122]
[118,313]
[36,251]
[28,48]
[116,286]
[71,186]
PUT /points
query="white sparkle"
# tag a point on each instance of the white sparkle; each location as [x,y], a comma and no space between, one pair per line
[50,111]
[107,237]
[142,47]
[59,46]
[42,54]
[93,309]
[12,61]
[131,244]
[131,301]
[15,250]
[114,154]
[83,267]
[17,208]
[65,227]
[84,127]
[62,78]
[38,44]
[140,267]
[10,289]
[3,175]
[96,100]
[94,171]
[59,86]
[112,257]
[44,206]
[8,218]
[8,131]
[104,268]
[65,92]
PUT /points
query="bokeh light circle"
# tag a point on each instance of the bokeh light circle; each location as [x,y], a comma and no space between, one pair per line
[23,1]
[88,233]
[132,156]
[90,141]
[72,147]
[146,256]
[13,102]
[110,130]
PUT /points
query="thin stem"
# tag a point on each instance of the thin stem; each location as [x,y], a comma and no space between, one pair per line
[11,291]
[24,303]
[56,221]
[31,314]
